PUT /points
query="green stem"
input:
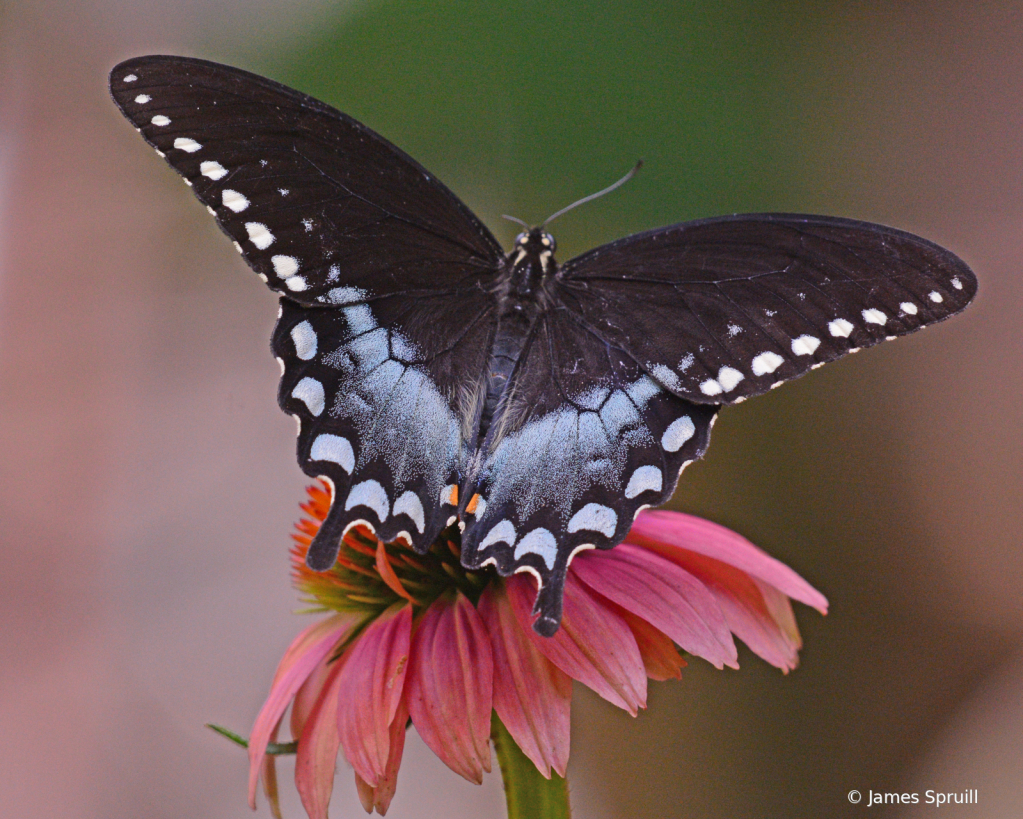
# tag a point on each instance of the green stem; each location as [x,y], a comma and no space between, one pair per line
[529,794]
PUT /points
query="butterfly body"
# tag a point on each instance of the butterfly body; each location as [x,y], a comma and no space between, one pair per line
[438,380]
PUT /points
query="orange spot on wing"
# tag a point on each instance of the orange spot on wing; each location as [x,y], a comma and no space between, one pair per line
[453,500]
[471,508]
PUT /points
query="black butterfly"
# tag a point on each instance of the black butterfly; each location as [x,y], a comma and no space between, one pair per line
[437,379]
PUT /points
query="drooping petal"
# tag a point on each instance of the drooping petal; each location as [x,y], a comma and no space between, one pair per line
[594,645]
[660,657]
[532,696]
[450,685]
[380,797]
[370,690]
[769,629]
[663,594]
[268,775]
[299,661]
[307,696]
[318,745]
[662,531]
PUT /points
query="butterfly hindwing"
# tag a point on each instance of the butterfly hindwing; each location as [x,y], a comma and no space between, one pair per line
[379,415]
[723,309]
[325,210]
[590,439]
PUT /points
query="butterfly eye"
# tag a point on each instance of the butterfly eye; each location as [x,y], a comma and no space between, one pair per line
[522,238]
[548,242]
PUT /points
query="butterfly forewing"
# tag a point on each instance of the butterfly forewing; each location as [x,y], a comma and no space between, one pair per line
[588,439]
[723,309]
[322,208]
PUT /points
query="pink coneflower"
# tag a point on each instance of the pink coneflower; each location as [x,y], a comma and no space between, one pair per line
[417,636]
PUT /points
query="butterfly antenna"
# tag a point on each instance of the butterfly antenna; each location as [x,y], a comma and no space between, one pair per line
[596,195]
[514,219]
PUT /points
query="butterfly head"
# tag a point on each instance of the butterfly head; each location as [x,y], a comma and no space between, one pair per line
[534,245]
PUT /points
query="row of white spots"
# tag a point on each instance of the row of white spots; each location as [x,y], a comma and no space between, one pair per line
[728,379]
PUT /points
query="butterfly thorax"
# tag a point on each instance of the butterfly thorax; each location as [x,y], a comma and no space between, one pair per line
[521,300]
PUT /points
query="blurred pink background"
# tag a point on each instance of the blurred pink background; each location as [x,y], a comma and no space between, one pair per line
[148,482]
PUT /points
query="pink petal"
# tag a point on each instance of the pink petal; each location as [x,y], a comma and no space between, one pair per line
[594,645]
[661,659]
[663,594]
[532,697]
[318,745]
[302,656]
[662,530]
[268,775]
[370,690]
[380,797]
[307,696]
[450,685]
[768,628]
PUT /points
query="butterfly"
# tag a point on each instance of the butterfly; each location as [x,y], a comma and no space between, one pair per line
[438,380]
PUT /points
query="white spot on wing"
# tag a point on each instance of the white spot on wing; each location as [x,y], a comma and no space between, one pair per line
[212,170]
[874,316]
[130,78]
[304,337]
[160,120]
[766,362]
[908,308]
[409,504]
[805,345]
[238,247]
[539,542]
[678,432]
[729,378]
[259,235]
[370,494]
[958,285]
[935,296]
[503,532]
[594,517]
[237,202]
[284,266]
[335,449]
[840,328]
[142,99]
[296,284]
[345,295]
[189,146]
[666,377]
[310,392]
[711,387]
[644,479]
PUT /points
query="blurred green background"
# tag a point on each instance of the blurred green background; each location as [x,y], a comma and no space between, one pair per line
[149,480]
